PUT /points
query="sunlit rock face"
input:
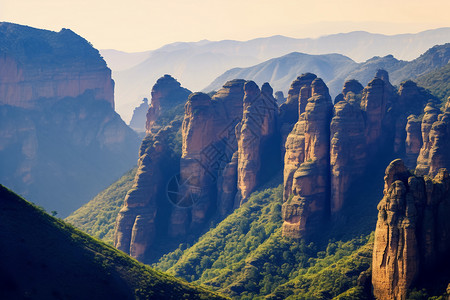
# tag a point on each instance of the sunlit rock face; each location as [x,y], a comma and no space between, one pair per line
[308,204]
[229,146]
[412,231]
[62,142]
[364,126]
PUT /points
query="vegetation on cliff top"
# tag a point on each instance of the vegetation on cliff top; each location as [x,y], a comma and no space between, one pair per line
[47,258]
[38,46]
[437,82]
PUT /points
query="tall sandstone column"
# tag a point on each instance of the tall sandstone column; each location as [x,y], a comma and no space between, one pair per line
[412,236]
[258,125]
[306,207]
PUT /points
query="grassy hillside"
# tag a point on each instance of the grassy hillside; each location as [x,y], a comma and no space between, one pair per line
[246,257]
[45,258]
[437,82]
[97,217]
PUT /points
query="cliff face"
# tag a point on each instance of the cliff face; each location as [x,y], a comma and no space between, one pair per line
[294,106]
[224,141]
[310,182]
[254,135]
[412,232]
[136,227]
[365,125]
[57,107]
[168,97]
[38,64]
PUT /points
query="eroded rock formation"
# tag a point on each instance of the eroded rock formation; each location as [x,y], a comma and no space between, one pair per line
[136,227]
[254,134]
[57,114]
[37,64]
[291,109]
[307,204]
[366,125]
[167,94]
[412,232]
[139,118]
[434,153]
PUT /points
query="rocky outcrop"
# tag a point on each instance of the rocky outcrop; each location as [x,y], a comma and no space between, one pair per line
[57,114]
[148,205]
[224,140]
[279,96]
[413,142]
[307,206]
[411,100]
[374,105]
[412,233]
[367,125]
[350,86]
[197,134]
[294,140]
[348,152]
[37,65]
[136,226]
[167,93]
[254,133]
[291,109]
[430,116]
[440,142]
[435,133]
[139,117]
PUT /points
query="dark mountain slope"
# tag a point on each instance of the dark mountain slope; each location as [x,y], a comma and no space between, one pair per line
[44,258]
[438,82]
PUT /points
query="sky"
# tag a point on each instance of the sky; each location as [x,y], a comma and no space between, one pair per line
[141,25]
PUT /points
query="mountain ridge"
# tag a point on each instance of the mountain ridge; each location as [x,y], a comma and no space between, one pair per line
[132,84]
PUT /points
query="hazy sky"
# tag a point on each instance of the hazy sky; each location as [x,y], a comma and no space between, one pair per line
[139,25]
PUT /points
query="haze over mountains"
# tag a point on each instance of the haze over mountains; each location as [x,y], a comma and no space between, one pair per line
[335,69]
[195,64]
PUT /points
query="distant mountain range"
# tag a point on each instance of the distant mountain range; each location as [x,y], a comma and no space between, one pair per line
[334,69]
[196,64]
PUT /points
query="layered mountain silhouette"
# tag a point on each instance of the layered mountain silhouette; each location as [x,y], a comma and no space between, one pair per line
[196,63]
[335,69]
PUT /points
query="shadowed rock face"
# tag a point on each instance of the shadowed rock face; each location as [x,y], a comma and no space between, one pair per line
[140,116]
[350,86]
[412,232]
[431,116]
[348,153]
[167,93]
[374,104]
[364,126]
[198,133]
[292,109]
[411,100]
[61,141]
[136,227]
[257,128]
[306,204]
[145,216]
[434,153]
[413,141]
